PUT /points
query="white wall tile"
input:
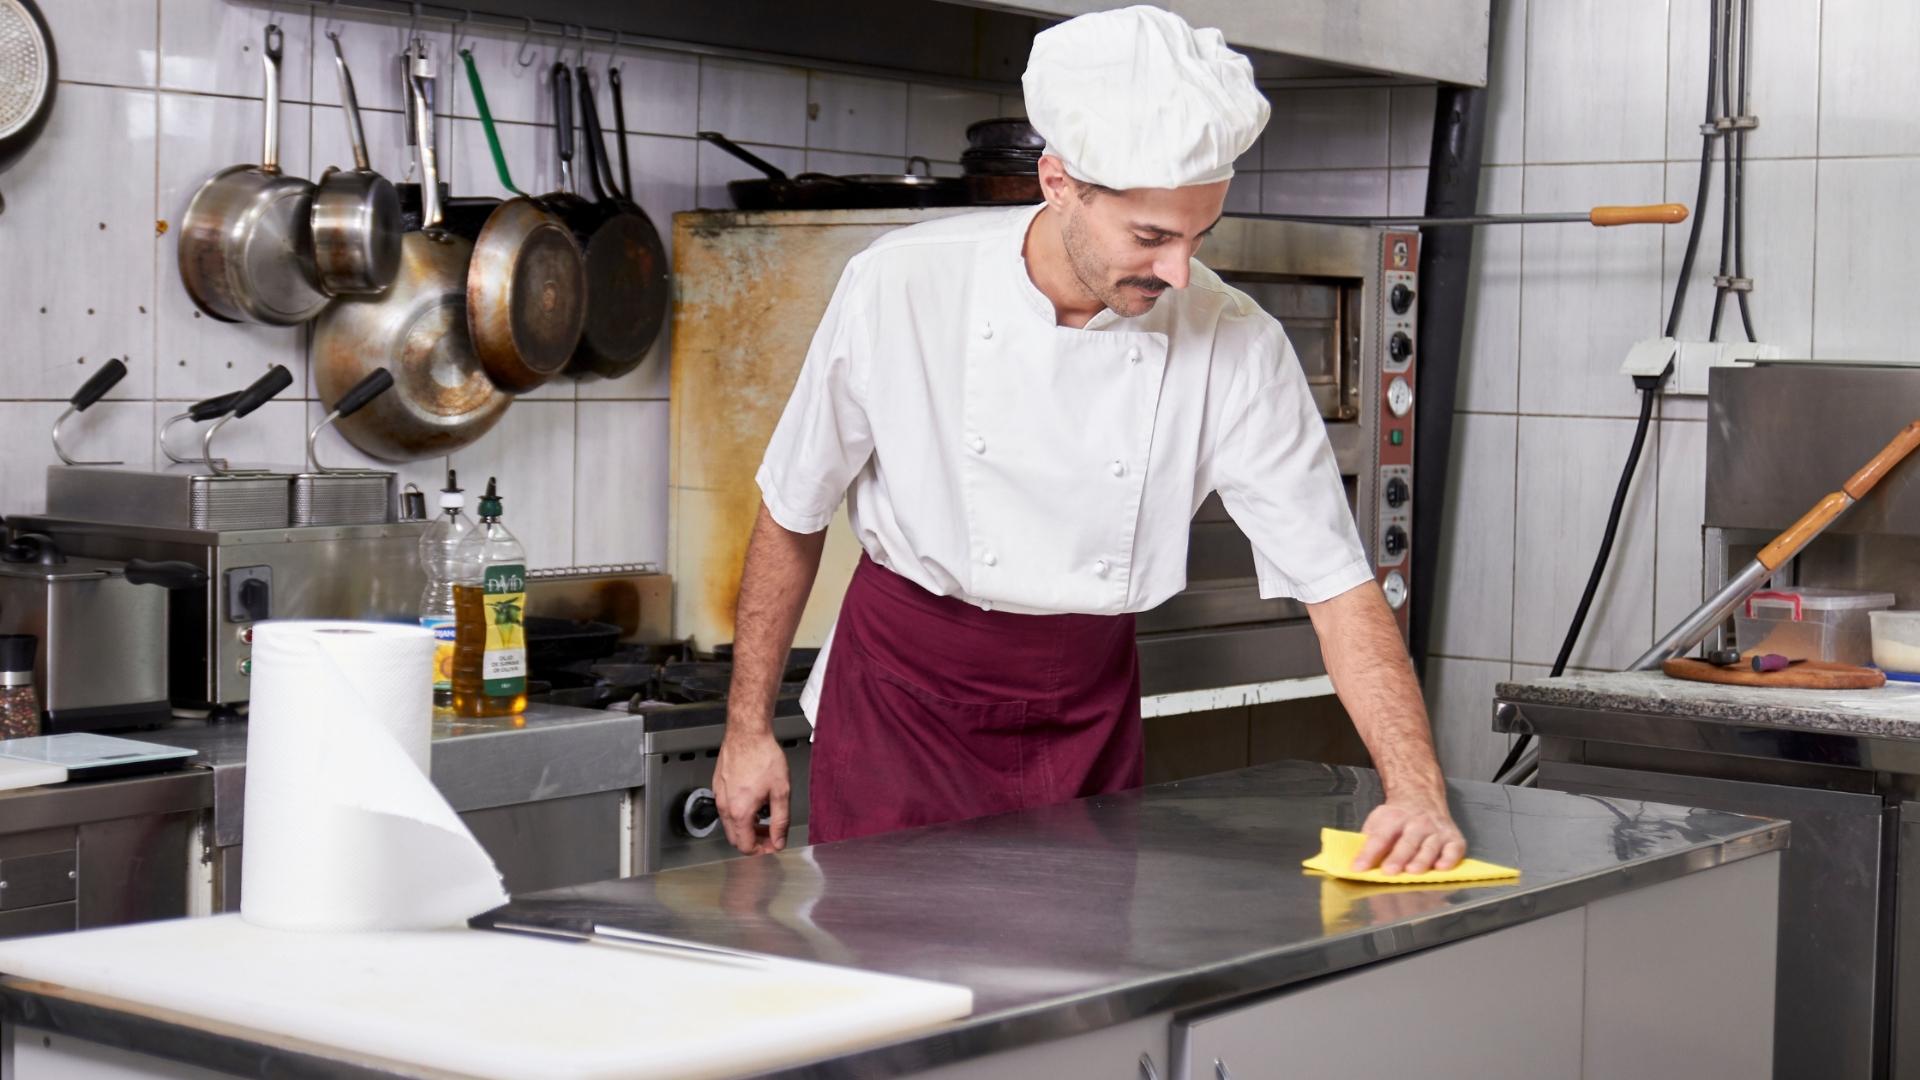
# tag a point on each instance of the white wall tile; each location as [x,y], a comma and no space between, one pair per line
[1683,507]
[468,163]
[1473,603]
[531,452]
[1596,81]
[214,47]
[838,164]
[1243,194]
[753,103]
[1327,129]
[1411,125]
[620,498]
[274,434]
[199,356]
[1459,697]
[1864,276]
[855,115]
[1868,80]
[1784,68]
[373,46]
[1490,343]
[1407,192]
[386,134]
[1325,191]
[105,41]
[716,167]
[1778,242]
[1568,470]
[662,91]
[80,204]
[1587,294]
[1507,85]
[516,93]
[110,431]
[937,119]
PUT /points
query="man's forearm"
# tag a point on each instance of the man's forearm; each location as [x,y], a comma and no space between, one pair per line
[1373,675]
[774,584]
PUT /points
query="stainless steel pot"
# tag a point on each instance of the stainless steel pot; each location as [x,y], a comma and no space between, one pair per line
[246,243]
[356,212]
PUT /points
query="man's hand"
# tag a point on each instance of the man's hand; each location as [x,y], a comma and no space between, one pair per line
[1411,836]
[751,773]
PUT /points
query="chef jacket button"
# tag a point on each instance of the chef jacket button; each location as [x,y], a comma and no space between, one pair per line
[986,329]
[976,444]
[1100,567]
[990,559]
[986,605]
[1133,355]
[1117,469]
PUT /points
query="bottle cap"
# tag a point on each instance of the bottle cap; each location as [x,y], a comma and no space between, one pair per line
[451,496]
[490,502]
[16,651]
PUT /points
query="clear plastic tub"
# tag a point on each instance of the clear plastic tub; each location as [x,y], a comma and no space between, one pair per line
[1810,624]
[1896,642]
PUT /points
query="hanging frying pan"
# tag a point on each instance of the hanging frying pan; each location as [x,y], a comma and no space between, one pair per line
[246,242]
[356,212]
[29,75]
[627,286]
[527,284]
[442,399]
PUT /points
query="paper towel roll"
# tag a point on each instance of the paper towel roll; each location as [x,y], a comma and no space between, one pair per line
[344,829]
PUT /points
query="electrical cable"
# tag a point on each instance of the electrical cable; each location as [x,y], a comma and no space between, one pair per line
[1740,175]
[1649,386]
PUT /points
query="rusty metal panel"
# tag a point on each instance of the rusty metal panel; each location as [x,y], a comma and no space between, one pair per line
[750,289]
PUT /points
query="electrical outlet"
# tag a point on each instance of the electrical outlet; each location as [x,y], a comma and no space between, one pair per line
[1692,360]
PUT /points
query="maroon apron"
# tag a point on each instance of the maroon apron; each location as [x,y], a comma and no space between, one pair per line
[935,710]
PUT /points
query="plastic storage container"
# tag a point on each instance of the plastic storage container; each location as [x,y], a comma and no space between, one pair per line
[1896,643]
[1810,624]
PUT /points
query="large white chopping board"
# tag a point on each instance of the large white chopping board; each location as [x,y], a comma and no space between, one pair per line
[491,1004]
[24,774]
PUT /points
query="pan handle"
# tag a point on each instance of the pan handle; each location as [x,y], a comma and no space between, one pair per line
[620,132]
[276,379]
[199,412]
[377,382]
[562,81]
[486,122]
[599,174]
[350,104]
[270,139]
[90,391]
[422,112]
[774,172]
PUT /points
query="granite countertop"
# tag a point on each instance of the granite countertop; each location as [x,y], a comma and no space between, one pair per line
[1890,711]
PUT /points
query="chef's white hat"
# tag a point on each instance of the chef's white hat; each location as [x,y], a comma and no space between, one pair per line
[1136,98]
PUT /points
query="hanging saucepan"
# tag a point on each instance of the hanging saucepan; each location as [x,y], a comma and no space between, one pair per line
[442,399]
[527,285]
[246,243]
[356,213]
[627,286]
[29,77]
[807,191]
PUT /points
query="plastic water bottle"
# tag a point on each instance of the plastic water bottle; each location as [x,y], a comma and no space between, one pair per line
[440,558]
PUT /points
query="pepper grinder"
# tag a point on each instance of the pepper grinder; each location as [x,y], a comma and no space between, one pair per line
[19,704]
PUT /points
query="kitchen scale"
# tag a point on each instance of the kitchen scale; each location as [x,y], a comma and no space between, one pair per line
[86,756]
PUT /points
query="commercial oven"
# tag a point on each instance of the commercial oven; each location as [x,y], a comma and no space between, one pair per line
[752,287]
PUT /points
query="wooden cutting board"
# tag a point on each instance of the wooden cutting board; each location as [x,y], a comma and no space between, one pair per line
[1807,675]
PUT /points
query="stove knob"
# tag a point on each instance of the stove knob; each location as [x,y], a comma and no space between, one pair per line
[1397,493]
[1395,541]
[1400,299]
[699,814]
[1399,347]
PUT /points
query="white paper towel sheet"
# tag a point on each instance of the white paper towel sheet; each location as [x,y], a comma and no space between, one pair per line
[344,829]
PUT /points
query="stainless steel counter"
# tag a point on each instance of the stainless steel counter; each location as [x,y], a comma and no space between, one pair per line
[1076,917]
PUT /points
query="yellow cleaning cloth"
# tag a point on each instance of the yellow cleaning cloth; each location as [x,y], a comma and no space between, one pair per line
[1338,847]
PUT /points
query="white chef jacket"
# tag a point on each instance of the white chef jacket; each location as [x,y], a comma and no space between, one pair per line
[990,454]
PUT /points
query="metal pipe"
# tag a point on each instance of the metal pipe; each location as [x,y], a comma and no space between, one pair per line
[1695,627]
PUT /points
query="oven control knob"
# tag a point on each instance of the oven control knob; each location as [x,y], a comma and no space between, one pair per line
[1395,587]
[1399,346]
[1397,493]
[1395,542]
[1400,299]
[699,814]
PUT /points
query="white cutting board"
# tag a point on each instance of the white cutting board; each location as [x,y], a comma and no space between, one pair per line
[24,774]
[491,1004]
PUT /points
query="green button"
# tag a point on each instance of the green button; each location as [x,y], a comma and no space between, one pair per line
[246,666]
[1396,437]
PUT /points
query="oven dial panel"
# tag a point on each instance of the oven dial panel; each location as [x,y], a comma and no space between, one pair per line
[1396,516]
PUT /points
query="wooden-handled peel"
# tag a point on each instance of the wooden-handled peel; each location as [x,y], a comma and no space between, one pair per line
[1658,214]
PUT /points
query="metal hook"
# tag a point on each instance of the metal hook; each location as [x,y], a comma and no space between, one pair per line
[525,44]
[333,13]
[460,24]
[611,66]
[272,6]
[413,21]
[580,56]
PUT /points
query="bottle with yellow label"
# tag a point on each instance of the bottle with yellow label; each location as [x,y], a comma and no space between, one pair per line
[490,604]
[440,560]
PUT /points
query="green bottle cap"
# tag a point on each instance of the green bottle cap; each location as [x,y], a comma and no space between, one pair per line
[490,503]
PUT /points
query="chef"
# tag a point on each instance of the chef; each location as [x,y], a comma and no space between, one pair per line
[1023,409]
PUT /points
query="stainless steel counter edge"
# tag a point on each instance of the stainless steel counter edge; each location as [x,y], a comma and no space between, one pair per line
[1200,988]
[1668,731]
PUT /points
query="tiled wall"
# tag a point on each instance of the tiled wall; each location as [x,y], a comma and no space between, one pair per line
[1599,101]
[157,94]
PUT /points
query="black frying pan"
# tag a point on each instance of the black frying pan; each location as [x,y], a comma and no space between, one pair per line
[627,287]
[819,191]
[29,77]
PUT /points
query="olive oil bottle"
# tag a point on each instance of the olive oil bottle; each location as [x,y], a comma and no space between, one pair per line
[489,612]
